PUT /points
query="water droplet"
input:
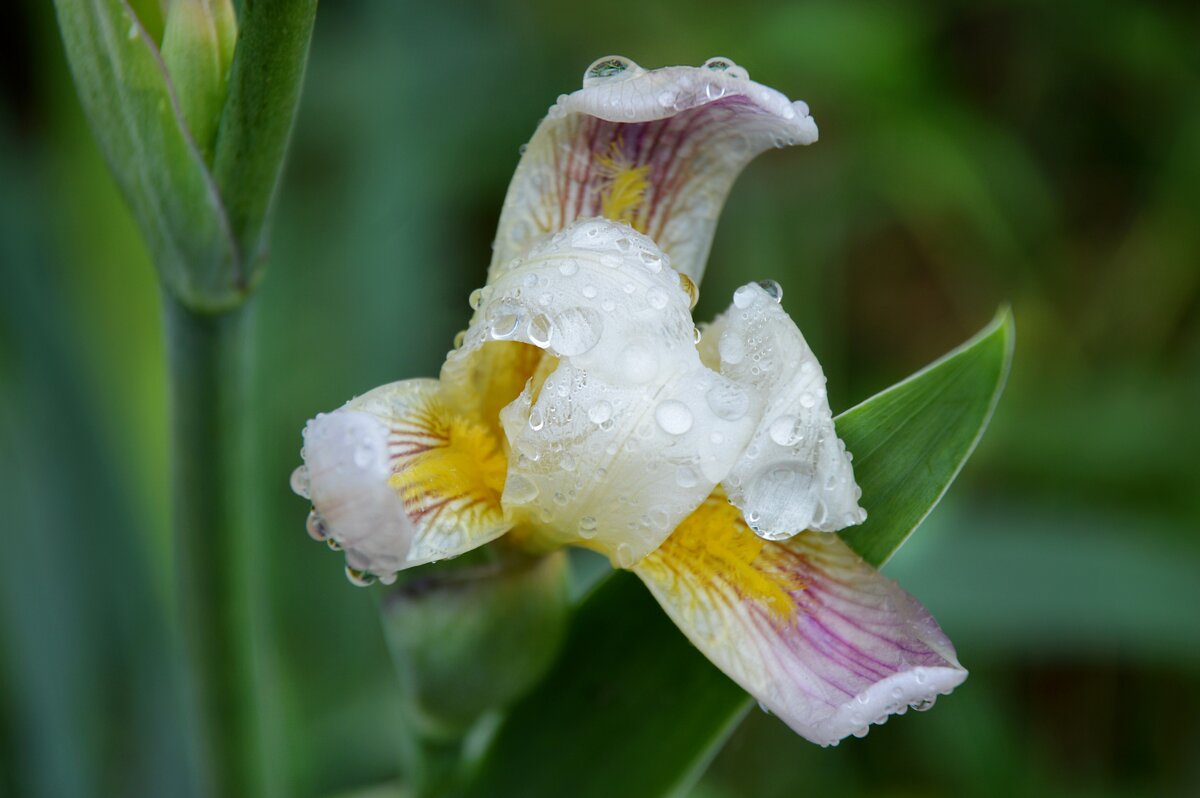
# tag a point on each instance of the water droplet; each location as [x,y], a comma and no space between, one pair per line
[686,477]
[364,454]
[743,297]
[359,578]
[504,320]
[785,430]
[333,544]
[657,298]
[689,288]
[568,268]
[299,482]
[607,67]
[728,401]
[696,335]
[475,298]
[588,291]
[576,330]
[133,31]
[624,555]
[566,462]
[587,527]
[536,420]
[719,63]
[459,338]
[652,260]
[623,244]
[807,400]
[316,527]
[731,348]
[714,92]
[520,489]
[540,331]
[673,417]
[773,289]
[600,412]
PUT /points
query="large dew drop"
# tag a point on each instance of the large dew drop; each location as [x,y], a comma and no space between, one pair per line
[673,417]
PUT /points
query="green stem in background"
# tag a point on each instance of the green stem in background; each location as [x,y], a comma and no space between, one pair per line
[209,366]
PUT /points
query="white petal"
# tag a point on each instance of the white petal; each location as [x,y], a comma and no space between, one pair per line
[629,431]
[398,478]
[795,474]
[657,149]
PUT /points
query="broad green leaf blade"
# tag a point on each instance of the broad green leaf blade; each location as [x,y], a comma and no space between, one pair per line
[136,118]
[632,708]
[911,440]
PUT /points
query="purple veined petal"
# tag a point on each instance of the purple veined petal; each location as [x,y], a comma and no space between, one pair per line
[656,149]
[814,633]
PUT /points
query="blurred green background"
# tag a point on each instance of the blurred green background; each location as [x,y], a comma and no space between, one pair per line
[971,153]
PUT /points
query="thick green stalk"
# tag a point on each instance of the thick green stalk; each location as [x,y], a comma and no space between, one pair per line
[208,361]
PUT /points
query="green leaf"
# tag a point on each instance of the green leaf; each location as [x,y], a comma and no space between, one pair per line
[911,440]
[631,708]
[138,123]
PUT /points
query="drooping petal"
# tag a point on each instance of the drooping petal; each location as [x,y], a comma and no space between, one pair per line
[623,432]
[795,474]
[658,150]
[815,634]
[397,478]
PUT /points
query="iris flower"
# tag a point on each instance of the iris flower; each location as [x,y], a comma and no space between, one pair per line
[583,407]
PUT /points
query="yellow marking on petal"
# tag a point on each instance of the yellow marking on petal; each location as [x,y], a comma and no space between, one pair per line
[715,546]
[493,376]
[626,189]
[451,464]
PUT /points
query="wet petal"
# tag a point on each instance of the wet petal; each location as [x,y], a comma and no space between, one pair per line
[795,474]
[397,478]
[657,149]
[810,630]
[627,432]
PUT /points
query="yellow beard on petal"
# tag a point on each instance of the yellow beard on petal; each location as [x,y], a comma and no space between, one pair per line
[627,187]
[715,545]
[457,459]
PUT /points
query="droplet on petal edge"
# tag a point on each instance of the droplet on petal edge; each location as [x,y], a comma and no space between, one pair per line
[299,482]
[773,289]
[610,66]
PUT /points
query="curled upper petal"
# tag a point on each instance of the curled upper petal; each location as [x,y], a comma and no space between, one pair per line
[657,149]
[795,474]
[398,478]
[623,432]
[815,634]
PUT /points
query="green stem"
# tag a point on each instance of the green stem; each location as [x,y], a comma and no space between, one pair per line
[432,766]
[208,356]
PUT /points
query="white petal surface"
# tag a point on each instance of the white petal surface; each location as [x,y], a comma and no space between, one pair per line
[658,149]
[795,474]
[628,432]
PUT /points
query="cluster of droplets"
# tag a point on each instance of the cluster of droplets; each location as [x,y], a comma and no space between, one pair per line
[346,472]
[917,690]
[795,474]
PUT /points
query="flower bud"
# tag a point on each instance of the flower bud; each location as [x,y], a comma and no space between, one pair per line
[197,48]
[473,639]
